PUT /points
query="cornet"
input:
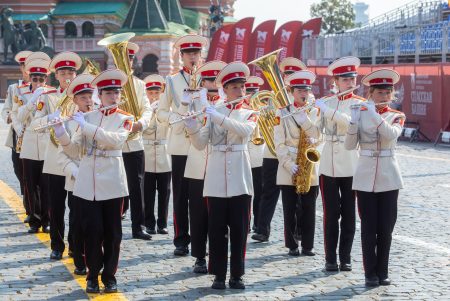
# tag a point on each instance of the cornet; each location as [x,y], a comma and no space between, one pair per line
[312,104]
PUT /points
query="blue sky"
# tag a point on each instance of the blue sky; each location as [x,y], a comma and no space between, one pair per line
[288,10]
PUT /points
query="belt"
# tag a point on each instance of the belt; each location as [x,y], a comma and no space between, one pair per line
[230,148]
[335,138]
[293,149]
[377,153]
[154,142]
[106,153]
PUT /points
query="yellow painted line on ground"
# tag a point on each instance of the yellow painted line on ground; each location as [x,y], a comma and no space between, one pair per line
[424,157]
[14,201]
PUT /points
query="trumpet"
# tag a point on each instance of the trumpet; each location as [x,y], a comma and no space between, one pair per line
[62,120]
[312,104]
[198,113]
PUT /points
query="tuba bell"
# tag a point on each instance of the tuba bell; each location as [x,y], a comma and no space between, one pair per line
[117,45]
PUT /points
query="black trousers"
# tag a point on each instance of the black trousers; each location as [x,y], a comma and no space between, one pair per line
[76,222]
[378,213]
[135,170]
[269,197]
[198,218]
[57,198]
[36,187]
[18,171]
[156,182]
[338,203]
[228,218]
[180,186]
[103,234]
[299,210]
[257,191]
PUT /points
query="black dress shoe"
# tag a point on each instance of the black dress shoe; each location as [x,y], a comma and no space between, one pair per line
[385,281]
[218,283]
[46,229]
[294,252]
[345,267]
[163,231]
[80,271]
[110,287]
[236,283]
[307,252]
[142,235]
[181,251]
[200,266]
[92,287]
[150,230]
[56,255]
[27,219]
[260,237]
[33,229]
[331,267]
[372,281]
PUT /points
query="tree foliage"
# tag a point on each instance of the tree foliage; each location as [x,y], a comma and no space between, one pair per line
[337,15]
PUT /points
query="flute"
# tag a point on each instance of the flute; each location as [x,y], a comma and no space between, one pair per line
[195,114]
[62,120]
[311,105]
[364,104]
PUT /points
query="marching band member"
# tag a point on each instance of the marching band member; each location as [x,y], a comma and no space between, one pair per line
[134,157]
[157,162]
[15,128]
[228,180]
[292,135]
[65,66]
[271,191]
[81,91]
[256,153]
[34,144]
[101,182]
[196,164]
[337,166]
[190,47]
[374,129]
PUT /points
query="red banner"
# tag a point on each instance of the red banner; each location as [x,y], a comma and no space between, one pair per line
[218,49]
[285,38]
[309,29]
[240,40]
[261,43]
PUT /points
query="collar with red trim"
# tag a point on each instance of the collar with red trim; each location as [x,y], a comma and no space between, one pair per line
[212,98]
[187,70]
[236,106]
[383,110]
[109,111]
[345,97]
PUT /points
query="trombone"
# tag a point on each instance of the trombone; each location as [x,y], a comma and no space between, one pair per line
[201,112]
[62,120]
[312,104]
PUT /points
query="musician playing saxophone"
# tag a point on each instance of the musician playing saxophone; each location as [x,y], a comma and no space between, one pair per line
[294,136]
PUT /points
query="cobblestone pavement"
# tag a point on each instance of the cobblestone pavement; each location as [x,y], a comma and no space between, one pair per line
[419,266]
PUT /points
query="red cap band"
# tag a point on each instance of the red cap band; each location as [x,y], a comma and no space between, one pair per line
[300,82]
[191,46]
[82,87]
[153,84]
[209,73]
[232,76]
[292,68]
[131,52]
[22,59]
[251,85]
[64,64]
[344,69]
[109,83]
[38,70]
[381,81]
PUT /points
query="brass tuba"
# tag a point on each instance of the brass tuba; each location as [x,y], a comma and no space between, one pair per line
[117,45]
[260,101]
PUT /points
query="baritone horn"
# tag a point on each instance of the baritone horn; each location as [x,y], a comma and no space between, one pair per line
[117,45]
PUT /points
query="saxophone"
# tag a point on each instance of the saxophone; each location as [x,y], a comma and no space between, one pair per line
[307,156]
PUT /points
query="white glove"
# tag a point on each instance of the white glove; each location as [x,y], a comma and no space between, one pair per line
[294,169]
[320,103]
[79,118]
[54,115]
[36,94]
[75,173]
[204,97]
[186,99]
[355,115]
[154,106]
[215,116]
[300,117]
[58,128]
[190,123]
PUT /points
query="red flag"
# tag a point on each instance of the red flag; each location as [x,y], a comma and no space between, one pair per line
[309,29]
[285,38]
[219,45]
[260,43]
[240,40]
